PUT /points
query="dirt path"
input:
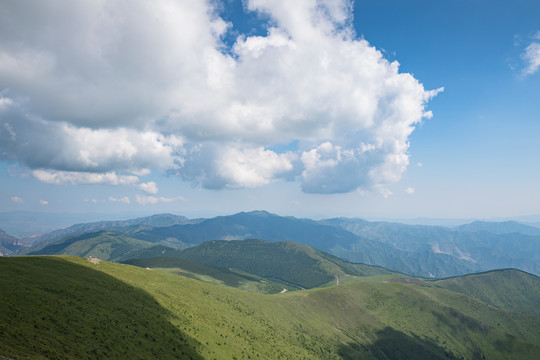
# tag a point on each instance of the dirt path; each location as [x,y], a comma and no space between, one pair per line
[93,260]
[337,279]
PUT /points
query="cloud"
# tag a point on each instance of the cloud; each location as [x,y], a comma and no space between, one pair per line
[79,178]
[17,200]
[94,95]
[124,200]
[234,166]
[410,190]
[386,193]
[149,187]
[531,56]
[143,200]
[41,144]
[43,202]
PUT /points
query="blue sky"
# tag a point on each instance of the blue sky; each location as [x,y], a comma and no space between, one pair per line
[297,108]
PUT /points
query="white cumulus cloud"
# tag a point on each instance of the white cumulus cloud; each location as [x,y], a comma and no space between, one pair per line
[149,187]
[93,99]
[43,202]
[124,200]
[531,56]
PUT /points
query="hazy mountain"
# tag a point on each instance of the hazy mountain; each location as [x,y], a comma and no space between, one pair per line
[158,220]
[26,223]
[9,244]
[255,224]
[504,227]
[442,252]
[65,307]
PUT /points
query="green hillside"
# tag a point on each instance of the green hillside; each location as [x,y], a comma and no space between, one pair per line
[297,265]
[55,307]
[218,276]
[69,308]
[153,251]
[105,245]
[507,289]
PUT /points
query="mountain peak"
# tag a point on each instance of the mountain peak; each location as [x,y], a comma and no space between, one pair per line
[262,213]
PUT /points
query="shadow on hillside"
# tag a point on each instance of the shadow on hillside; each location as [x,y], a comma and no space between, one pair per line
[395,345]
[193,270]
[54,308]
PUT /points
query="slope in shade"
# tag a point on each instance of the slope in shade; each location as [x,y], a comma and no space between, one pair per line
[54,308]
[210,274]
[287,262]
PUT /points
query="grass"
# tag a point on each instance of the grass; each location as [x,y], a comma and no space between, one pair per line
[55,307]
[507,289]
[105,245]
[297,265]
[217,276]
[67,307]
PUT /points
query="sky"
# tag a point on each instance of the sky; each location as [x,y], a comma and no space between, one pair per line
[311,108]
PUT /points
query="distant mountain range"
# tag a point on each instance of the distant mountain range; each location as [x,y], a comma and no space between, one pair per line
[159,220]
[419,250]
[504,227]
[436,251]
[9,244]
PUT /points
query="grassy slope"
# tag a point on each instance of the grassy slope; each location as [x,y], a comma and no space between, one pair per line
[218,276]
[105,245]
[286,262]
[64,307]
[56,307]
[507,289]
